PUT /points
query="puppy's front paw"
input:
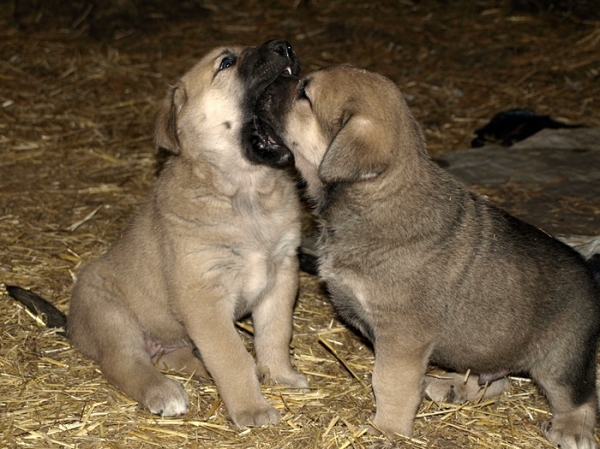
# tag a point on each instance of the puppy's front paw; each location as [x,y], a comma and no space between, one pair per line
[390,426]
[260,415]
[294,379]
[167,398]
[288,377]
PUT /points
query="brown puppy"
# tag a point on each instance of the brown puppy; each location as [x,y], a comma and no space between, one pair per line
[215,241]
[428,271]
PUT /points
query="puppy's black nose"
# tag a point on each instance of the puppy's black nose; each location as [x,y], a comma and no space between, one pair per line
[282,47]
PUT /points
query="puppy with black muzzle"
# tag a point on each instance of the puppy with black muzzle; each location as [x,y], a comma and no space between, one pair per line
[215,241]
[427,270]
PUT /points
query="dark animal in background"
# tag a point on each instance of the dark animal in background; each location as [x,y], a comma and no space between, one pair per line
[514,125]
[427,270]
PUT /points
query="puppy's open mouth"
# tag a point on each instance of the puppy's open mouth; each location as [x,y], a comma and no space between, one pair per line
[263,146]
[261,142]
[264,137]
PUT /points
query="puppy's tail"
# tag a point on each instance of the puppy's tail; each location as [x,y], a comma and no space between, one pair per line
[37,305]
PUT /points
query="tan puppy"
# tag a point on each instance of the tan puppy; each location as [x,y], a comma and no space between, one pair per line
[428,271]
[215,241]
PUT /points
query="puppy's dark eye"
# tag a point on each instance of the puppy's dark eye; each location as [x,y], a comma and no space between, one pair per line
[226,63]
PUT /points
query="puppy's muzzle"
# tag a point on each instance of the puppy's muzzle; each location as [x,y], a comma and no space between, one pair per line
[285,49]
[260,140]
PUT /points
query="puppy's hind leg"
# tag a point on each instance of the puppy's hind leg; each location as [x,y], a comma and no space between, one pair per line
[186,360]
[574,429]
[570,389]
[132,371]
[103,329]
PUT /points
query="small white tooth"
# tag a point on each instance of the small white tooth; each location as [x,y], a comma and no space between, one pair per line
[288,70]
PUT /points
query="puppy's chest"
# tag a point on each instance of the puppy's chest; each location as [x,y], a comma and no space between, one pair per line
[351,302]
[256,275]
[341,266]
[340,259]
[341,250]
[263,258]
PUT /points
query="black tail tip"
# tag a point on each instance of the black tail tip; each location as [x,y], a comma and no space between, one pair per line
[37,305]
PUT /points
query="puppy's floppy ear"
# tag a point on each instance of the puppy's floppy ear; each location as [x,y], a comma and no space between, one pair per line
[165,129]
[358,151]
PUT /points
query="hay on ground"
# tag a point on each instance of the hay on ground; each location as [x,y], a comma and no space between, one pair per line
[77,156]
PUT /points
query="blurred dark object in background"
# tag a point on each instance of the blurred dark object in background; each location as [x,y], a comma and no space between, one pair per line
[514,125]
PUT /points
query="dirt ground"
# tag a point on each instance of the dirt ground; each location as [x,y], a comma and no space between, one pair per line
[80,84]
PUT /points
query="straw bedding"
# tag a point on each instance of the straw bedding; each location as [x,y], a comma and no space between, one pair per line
[79,87]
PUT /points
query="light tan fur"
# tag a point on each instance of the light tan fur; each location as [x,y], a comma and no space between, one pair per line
[215,240]
[427,270]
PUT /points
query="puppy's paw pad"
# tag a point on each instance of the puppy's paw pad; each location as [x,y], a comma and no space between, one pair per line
[257,416]
[166,399]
